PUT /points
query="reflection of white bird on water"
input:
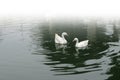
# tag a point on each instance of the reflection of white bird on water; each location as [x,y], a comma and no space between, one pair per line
[81,44]
[61,39]
[61,47]
[77,53]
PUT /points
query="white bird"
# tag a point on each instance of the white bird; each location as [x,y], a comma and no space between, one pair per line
[60,39]
[80,44]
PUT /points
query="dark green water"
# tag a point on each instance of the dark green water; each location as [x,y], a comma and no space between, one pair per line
[28,51]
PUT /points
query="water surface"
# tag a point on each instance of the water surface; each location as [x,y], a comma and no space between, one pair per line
[28,51]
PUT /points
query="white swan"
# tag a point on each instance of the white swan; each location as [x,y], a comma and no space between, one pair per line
[60,40]
[80,44]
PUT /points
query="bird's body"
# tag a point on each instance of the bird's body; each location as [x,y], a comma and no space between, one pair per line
[80,44]
[59,39]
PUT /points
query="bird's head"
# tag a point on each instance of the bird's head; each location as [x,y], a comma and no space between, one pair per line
[75,39]
[64,33]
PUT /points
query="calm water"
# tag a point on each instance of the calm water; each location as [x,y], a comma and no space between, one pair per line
[28,52]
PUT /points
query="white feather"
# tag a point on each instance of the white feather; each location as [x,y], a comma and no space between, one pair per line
[60,40]
[81,44]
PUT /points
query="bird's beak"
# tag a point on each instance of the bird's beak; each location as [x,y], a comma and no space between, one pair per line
[73,40]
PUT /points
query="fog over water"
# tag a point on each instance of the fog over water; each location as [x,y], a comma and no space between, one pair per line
[28,51]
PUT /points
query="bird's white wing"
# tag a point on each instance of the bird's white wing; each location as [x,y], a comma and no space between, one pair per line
[58,39]
[83,43]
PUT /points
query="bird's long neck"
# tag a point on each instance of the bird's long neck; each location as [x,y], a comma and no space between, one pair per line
[63,36]
[77,41]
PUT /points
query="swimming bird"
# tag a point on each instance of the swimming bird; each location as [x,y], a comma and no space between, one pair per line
[80,44]
[60,39]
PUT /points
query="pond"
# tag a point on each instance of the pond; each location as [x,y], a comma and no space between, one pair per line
[28,50]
